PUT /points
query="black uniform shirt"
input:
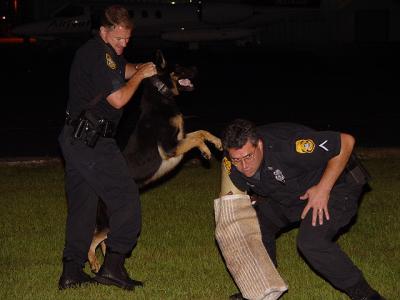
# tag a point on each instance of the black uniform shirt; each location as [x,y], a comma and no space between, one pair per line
[295,157]
[96,72]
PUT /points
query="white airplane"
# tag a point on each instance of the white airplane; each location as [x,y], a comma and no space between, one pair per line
[181,22]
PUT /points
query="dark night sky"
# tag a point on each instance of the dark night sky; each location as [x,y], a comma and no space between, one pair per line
[352,89]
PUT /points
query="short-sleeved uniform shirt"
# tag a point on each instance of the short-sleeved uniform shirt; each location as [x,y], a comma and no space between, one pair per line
[96,72]
[295,158]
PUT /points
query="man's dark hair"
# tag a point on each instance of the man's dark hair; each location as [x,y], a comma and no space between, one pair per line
[116,15]
[238,132]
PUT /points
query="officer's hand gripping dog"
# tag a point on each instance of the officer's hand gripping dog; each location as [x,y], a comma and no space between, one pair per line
[159,141]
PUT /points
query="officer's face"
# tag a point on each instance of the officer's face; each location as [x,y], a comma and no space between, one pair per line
[117,36]
[248,158]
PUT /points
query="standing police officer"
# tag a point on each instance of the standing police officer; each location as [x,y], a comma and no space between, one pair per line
[303,175]
[101,83]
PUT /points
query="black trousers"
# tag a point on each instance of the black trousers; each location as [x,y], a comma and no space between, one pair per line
[316,243]
[91,173]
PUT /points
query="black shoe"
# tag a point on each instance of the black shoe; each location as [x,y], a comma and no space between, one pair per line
[375,296]
[113,272]
[237,296]
[72,275]
[363,291]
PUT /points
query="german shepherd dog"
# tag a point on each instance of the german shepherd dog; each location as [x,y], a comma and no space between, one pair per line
[159,141]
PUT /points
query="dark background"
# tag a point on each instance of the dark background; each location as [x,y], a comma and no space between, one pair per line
[353,89]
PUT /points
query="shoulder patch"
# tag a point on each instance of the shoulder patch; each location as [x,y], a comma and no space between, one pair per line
[227,165]
[305,146]
[110,62]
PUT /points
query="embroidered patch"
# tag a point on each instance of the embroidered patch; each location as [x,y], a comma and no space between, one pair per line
[305,146]
[110,63]
[228,165]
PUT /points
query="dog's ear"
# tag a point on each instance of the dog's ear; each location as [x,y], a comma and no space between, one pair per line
[160,60]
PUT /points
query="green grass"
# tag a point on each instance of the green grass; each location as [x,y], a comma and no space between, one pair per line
[177,256]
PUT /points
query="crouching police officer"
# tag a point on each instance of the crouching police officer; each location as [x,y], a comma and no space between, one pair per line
[303,176]
[101,83]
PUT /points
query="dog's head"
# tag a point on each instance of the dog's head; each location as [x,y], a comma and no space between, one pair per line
[176,78]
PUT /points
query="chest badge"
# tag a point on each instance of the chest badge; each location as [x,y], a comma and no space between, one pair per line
[110,62]
[305,146]
[227,165]
[279,175]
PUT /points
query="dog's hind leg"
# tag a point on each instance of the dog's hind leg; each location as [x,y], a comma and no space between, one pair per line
[98,239]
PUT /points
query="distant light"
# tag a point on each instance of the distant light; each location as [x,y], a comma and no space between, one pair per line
[76,21]
[182,28]
[173,2]
[15,5]
[16,40]
[3,18]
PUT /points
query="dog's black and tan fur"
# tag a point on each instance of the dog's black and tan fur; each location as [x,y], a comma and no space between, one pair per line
[159,141]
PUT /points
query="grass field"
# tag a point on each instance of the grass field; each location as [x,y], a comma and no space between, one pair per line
[177,256]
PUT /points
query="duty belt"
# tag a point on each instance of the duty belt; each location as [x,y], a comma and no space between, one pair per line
[103,127]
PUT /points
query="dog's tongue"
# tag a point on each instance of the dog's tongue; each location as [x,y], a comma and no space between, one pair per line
[185,82]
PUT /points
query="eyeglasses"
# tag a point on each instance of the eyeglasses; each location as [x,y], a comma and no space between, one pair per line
[247,158]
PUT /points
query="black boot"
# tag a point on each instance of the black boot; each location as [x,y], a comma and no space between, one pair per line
[363,291]
[72,275]
[113,272]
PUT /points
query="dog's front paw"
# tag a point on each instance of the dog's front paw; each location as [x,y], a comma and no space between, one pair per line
[206,155]
[218,145]
[216,141]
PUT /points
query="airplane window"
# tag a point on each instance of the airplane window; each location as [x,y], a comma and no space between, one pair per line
[145,14]
[158,14]
[70,11]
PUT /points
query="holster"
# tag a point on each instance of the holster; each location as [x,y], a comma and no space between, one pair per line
[88,128]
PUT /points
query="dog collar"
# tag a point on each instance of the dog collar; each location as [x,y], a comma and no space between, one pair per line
[161,87]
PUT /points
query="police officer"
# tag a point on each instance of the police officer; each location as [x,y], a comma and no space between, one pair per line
[101,83]
[303,176]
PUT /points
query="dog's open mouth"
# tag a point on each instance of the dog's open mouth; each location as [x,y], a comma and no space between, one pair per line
[185,84]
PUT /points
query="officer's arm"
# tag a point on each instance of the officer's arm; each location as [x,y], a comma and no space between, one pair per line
[318,195]
[130,70]
[122,96]
[337,163]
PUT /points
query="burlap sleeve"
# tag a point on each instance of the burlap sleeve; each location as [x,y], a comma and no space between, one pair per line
[239,238]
